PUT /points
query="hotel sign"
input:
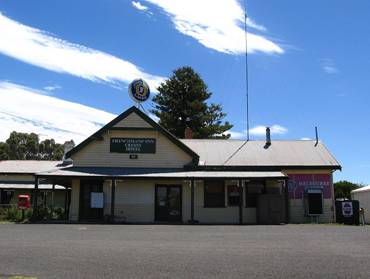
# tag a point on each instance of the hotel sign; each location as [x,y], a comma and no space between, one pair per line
[132,145]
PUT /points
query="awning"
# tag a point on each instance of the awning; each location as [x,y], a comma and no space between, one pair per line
[21,186]
[156,173]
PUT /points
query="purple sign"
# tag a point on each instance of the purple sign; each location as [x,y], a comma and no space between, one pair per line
[299,183]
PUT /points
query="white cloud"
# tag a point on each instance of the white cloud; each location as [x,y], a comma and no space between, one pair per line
[330,69]
[41,49]
[217,25]
[52,87]
[306,139]
[274,129]
[328,66]
[139,6]
[258,131]
[24,109]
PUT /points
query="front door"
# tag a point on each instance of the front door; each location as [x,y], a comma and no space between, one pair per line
[168,203]
[91,207]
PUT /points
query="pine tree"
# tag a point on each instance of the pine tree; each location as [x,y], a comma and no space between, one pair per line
[182,101]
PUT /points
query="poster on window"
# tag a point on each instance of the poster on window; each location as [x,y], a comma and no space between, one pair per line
[97,200]
[347,209]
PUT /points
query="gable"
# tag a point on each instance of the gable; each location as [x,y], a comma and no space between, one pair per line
[156,146]
[133,120]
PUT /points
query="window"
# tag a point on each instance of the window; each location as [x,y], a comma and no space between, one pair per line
[233,195]
[6,196]
[214,194]
[314,201]
[252,191]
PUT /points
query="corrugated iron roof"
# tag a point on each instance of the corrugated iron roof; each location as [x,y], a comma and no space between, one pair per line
[28,166]
[158,173]
[301,153]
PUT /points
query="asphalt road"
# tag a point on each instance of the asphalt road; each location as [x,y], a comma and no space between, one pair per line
[159,251]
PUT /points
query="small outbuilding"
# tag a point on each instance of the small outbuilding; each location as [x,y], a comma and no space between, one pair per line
[363,196]
[17,177]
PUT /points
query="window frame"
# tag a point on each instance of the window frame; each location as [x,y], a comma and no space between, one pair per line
[263,182]
[228,195]
[205,194]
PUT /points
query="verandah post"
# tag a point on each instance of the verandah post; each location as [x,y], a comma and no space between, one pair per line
[35,213]
[240,201]
[192,201]
[113,194]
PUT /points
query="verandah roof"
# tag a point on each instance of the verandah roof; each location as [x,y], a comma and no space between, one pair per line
[156,173]
[31,185]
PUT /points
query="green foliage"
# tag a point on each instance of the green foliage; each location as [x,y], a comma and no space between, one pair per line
[343,188]
[14,214]
[182,102]
[4,151]
[49,150]
[23,146]
[47,213]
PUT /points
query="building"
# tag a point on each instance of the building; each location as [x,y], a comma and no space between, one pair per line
[17,178]
[363,196]
[133,170]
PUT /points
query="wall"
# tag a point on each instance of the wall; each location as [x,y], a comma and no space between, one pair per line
[226,215]
[134,200]
[364,199]
[300,181]
[97,152]
[17,177]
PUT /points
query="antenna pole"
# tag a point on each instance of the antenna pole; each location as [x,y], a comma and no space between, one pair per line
[317,136]
[246,65]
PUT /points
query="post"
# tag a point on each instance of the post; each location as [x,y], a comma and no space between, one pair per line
[287,214]
[240,202]
[113,194]
[35,213]
[52,197]
[65,203]
[192,201]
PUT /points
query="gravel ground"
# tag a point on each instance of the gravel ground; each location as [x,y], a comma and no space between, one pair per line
[160,251]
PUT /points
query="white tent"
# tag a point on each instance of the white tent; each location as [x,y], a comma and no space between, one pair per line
[363,196]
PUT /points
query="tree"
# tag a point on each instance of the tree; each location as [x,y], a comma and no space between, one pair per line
[182,102]
[49,150]
[4,151]
[343,188]
[24,146]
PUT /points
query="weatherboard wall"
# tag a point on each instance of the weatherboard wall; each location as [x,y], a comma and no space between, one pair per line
[97,153]
[132,121]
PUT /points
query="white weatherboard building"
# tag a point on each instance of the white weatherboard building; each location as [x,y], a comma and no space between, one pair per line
[134,170]
[363,196]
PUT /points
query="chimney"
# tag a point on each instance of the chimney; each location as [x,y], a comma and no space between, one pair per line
[188,133]
[268,138]
[68,145]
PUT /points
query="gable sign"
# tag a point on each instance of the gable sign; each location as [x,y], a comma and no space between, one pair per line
[132,145]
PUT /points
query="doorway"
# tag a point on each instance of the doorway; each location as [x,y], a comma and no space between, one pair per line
[91,200]
[168,203]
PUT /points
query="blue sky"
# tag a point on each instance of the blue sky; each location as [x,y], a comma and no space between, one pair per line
[64,63]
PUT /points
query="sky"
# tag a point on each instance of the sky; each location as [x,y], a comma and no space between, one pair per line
[65,66]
